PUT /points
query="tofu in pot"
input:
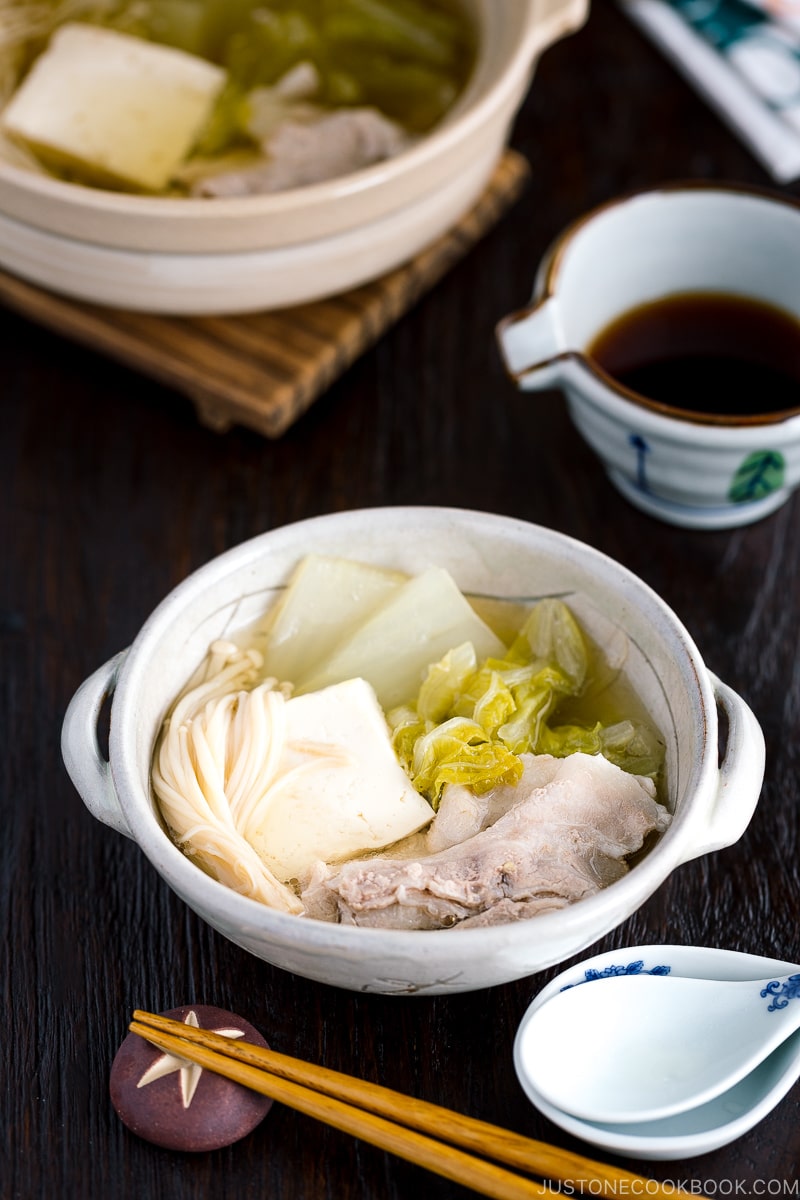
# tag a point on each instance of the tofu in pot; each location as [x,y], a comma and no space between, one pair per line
[341,790]
[114,110]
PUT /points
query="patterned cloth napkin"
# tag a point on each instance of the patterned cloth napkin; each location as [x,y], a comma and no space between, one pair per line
[743,56]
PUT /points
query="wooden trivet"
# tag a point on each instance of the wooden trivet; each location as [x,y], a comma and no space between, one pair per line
[263,370]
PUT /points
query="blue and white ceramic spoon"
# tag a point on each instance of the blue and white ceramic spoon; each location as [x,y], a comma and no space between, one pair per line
[696,1131]
[642,1047]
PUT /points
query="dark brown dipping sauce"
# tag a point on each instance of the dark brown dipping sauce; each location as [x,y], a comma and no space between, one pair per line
[706,352]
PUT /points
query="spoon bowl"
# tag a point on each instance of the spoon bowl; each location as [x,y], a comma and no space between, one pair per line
[643,1047]
[695,1131]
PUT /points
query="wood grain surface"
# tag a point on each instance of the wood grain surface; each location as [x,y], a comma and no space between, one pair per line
[263,370]
[112,492]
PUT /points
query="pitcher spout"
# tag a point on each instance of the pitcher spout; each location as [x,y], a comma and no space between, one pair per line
[531,343]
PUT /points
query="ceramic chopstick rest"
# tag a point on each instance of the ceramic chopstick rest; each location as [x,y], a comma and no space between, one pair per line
[175,1103]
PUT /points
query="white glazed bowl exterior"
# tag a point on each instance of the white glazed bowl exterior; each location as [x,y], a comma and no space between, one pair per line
[487,555]
[632,251]
[257,252]
[709,1126]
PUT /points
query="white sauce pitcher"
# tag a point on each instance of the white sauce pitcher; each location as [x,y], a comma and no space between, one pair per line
[703,471]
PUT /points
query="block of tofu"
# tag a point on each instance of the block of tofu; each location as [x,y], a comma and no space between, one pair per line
[113,110]
[344,791]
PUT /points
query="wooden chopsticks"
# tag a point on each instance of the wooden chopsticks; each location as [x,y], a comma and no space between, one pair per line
[392,1121]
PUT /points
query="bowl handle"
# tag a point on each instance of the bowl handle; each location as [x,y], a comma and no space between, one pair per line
[89,771]
[741,775]
[551,20]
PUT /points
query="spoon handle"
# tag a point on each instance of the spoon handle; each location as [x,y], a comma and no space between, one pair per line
[781,991]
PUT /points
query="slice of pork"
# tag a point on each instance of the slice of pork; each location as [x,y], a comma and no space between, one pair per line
[562,833]
[303,152]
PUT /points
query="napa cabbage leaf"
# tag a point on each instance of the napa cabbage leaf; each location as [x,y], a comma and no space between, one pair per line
[471,719]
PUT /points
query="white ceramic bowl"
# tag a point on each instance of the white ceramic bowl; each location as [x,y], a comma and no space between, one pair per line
[487,555]
[234,255]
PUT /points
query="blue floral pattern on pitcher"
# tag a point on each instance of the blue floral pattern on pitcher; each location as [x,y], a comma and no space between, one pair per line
[642,450]
[758,475]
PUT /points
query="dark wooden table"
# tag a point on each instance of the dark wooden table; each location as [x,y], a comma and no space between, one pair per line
[112,493]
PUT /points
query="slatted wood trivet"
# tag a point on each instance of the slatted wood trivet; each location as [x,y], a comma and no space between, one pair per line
[264,370]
